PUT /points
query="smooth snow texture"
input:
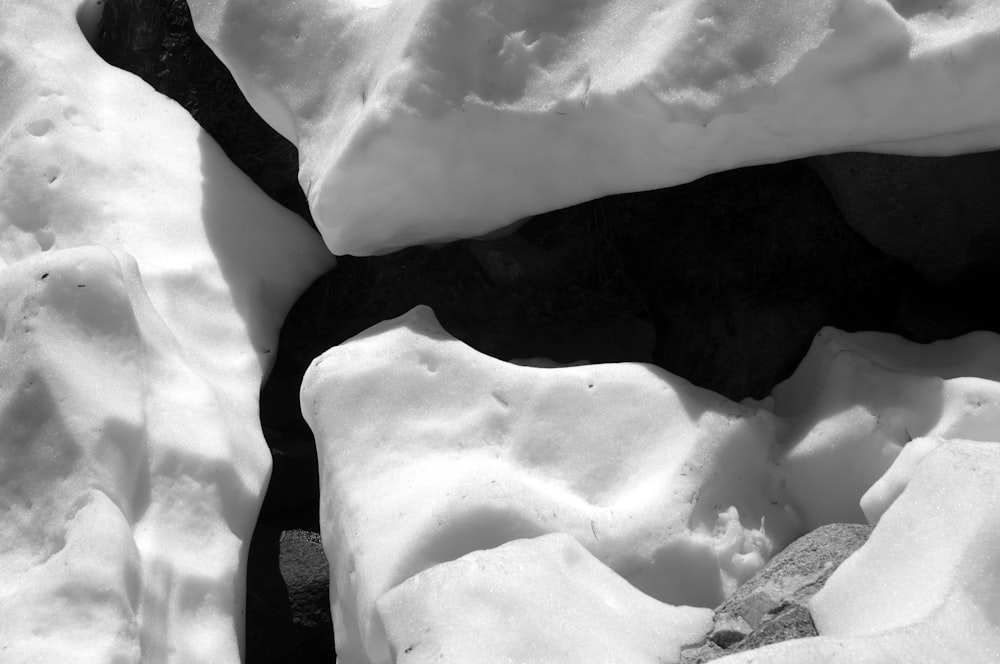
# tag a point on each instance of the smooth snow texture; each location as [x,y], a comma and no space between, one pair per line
[560,601]
[857,399]
[144,280]
[430,450]
[428,120]
[641,467]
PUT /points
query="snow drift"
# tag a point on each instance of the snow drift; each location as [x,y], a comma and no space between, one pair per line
[443,471]
[143,280]
[428,120]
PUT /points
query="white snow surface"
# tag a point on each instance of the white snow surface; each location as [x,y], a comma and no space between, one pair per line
[430,120]
[143,280]
[681,492]
[577,610]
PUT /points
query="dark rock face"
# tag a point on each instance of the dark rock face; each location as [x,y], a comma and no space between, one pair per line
[772,605]
[938,215]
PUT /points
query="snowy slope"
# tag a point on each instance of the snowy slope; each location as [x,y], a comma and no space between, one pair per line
[424,120]
[144,281]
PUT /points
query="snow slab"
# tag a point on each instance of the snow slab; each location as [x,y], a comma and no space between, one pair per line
[430,120]
[560,601]
[858,399]
[430,451]
[663,482]
[144,281]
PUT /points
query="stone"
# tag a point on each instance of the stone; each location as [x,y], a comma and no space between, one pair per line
[773,605]
[543,599]
[661,481]
[795,574]
[156,41]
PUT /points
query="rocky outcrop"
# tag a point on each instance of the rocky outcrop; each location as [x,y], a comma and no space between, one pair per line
[773,605]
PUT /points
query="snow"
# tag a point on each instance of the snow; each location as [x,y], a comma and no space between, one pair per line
[681,492]
[143,281]
[925,587]
[641,467]
[578,610]
[469,505]
[428,120]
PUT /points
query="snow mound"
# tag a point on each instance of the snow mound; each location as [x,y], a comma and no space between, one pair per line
[430,451]
[924,588]
[144,280]
[563,604]
[642,468]
[428,120]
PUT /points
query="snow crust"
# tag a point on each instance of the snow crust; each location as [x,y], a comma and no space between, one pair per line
[143,280]
[429,120]
[681,492]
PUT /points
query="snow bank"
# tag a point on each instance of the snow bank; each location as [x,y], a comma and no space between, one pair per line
[430,451]
[563,605]
[924,588]
[421,120]
[144,280]
[641,467]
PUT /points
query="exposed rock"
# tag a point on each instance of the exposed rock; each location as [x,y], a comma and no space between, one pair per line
[771,606]
[795,574]
[421,121]
[937,214]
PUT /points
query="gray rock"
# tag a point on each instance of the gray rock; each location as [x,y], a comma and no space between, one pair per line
[307,575]
[937,214]
[772,605]
[795,574]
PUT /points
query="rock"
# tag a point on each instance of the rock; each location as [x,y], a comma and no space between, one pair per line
[705,652]
[924,588]
[772,605]
[938,215]
[420,121]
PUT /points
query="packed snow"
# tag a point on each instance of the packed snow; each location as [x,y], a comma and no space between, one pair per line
[429,120]
[143,280]
[472,509]
[681,492]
